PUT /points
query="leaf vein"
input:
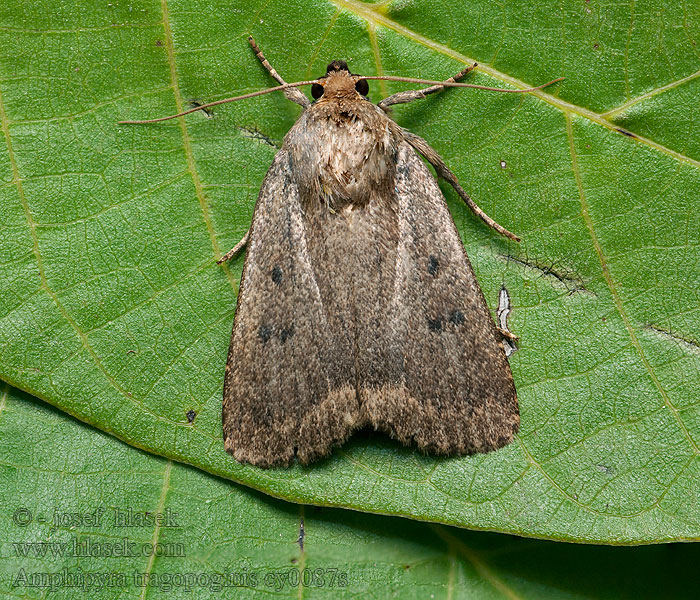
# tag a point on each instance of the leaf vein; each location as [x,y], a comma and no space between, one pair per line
[613,290]
[170,48]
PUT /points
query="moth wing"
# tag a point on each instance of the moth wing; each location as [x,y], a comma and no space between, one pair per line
[453,392]
[287,390]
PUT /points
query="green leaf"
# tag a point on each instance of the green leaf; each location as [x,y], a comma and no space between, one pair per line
[91,491]
[111,306]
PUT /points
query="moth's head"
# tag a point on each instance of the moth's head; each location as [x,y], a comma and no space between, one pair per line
[340,83]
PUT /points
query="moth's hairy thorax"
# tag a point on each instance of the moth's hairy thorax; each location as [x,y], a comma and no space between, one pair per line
[344,150]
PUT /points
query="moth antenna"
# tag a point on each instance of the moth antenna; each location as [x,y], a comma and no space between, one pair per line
[224,101]
[457,84]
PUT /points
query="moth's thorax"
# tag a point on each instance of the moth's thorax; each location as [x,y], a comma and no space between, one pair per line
[344,147]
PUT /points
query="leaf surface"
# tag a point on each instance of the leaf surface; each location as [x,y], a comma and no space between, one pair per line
[217,538]
[112,309]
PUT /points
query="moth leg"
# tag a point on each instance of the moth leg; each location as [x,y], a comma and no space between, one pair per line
[235,250]
[423,148]
[293,94]
[411,95]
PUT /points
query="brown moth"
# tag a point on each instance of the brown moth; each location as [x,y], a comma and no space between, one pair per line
[358,305]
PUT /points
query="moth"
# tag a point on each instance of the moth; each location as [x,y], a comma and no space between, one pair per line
[358,305]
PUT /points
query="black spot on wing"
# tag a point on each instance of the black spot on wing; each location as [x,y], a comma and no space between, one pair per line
[435,324]
[264,333]
[403,169]
[457,317]
[433,264]
[276,275]
[286,333]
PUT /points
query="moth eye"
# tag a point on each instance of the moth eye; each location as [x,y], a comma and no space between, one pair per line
[316,90]
[362,87]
